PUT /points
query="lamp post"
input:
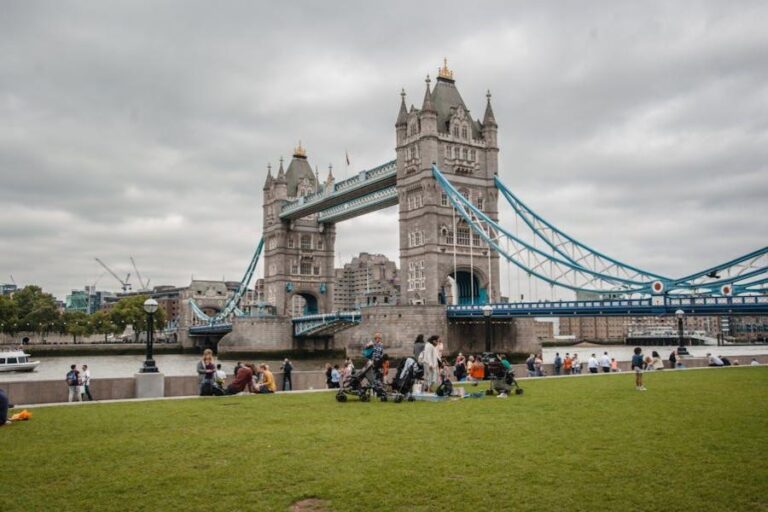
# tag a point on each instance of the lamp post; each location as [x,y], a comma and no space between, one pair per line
[679,314]
[487,311]
[150,306]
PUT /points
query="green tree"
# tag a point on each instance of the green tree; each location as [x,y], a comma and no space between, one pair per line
[101,322]
[9,315]
[36,310]
[77,324]
[130,311]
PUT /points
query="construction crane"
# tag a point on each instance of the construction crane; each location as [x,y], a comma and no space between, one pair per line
[144,286]
[125,285]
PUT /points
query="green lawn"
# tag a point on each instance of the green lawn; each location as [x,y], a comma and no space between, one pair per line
[696,440]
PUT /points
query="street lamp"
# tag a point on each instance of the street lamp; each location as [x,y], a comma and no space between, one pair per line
[679,314]
[487,311]
[150,306]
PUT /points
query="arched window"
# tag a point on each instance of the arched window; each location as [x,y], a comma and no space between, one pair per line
[455,130]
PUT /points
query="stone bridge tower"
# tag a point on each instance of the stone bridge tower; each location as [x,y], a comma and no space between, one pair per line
[439,256]
[298,254]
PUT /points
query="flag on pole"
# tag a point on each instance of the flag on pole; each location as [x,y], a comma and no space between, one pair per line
[346,153]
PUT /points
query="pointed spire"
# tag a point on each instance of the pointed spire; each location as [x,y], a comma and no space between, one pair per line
[402,116]
[281,171]
[427,105]
[268,182]
[489,119]
[330,174]
[317,179]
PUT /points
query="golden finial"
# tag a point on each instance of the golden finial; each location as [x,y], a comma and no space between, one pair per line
[444,72]
[299,151]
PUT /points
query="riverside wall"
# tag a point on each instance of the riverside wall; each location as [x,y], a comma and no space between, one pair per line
[56,391]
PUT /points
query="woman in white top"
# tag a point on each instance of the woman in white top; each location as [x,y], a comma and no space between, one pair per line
[429,360]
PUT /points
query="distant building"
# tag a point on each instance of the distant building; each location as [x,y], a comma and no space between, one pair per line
[366,280]
[8,289]
[88,300]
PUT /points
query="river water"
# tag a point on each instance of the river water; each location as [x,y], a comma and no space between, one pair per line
[53,368]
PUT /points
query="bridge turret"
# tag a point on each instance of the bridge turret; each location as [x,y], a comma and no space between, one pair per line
[281,184]
[490,128]
[269,182]
[401,125]
[428,114]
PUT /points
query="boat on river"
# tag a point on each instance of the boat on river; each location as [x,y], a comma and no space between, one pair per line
[14,360]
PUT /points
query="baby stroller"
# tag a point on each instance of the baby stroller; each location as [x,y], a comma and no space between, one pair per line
[409,371]
[362,383]
[502,380]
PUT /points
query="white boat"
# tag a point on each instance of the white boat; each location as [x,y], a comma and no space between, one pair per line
[16,361]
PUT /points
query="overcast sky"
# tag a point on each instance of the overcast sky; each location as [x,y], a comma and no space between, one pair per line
[144,128]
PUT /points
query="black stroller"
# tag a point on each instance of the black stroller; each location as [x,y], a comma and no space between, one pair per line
[502,380]
[409,371]
[362,384]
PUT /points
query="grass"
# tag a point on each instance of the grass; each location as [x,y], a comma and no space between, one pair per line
[696,440]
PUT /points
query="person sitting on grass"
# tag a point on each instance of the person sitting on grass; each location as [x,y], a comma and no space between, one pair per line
[476,370]
[4,409]
[243,380]
[754,362]
[614,365]
[637,366]
[267,384]
[714,361]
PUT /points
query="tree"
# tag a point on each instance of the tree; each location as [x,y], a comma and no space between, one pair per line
[77,324]
[130,311]
[9,315]
[36,310]
[101,322]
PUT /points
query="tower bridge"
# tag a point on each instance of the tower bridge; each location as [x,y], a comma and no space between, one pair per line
[445,179]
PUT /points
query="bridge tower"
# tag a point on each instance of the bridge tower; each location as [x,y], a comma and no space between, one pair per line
[298,254]
[436,247]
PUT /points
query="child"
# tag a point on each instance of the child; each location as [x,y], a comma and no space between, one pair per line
[637,366]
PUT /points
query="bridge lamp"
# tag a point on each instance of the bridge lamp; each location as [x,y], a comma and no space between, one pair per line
[150,307]
[487,311]
[679,314]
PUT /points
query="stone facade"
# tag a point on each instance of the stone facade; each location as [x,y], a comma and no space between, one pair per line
[298,255]
[466,150]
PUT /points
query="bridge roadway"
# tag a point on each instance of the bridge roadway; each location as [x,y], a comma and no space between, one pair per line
[325,324]
[367,191]
[655,306]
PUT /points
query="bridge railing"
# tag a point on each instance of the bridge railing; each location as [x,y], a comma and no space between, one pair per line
[359,203]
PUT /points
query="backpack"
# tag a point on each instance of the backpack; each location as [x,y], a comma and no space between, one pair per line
[72,378]
[445,389]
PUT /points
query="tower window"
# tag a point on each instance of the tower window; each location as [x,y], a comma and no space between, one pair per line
[463,132]
[306,242]
[455,131]
[291,242]
[443,200]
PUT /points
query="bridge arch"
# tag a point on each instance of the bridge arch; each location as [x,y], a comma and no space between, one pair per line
[303,302]
[471,286]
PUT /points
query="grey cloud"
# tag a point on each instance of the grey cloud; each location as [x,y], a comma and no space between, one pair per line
[145,128]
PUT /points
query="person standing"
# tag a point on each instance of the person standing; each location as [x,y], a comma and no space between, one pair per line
[328,373]
[558,363]
[537,364]
[86,378]
[592,364]
[529,365]
[576,364]
[637,367]
[73,383]
[205,373]
[605,363]
[567,364]
[335,377]
[673,359]
[430,362]
[418,346]
[287,369]
[460,369]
